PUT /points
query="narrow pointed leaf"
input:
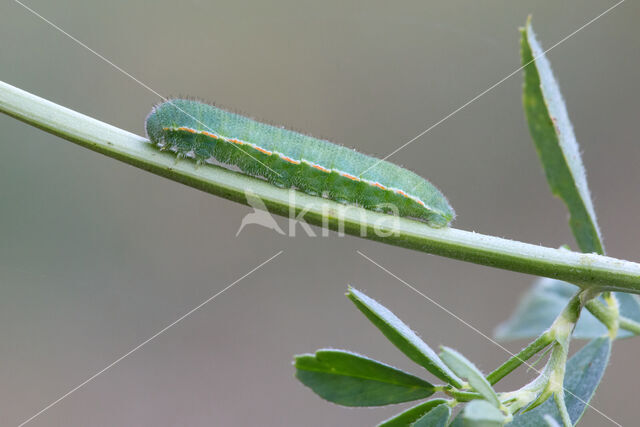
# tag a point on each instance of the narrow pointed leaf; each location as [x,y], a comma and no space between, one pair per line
[556,143]
[465,369]
[350,379]
[542,303]
[438,417]
[480,413]
[402,337]
[411,415]
[583,374]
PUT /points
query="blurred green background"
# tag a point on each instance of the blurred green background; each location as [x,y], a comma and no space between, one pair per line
[96,256]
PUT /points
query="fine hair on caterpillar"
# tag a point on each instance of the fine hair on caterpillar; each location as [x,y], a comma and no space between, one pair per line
[289,159]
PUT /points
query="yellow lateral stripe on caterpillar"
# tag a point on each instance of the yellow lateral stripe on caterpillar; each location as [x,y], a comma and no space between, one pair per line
[353,178]
[289,159]
[320,168]
[295,162]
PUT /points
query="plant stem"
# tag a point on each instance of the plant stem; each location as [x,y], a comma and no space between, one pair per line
[604,314]
[599,311]
[585,270]
[629,325]
[560,329]
[525,354]
[461,396]
[562,408]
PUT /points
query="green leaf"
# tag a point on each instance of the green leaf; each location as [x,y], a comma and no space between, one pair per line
[480,413]
[539,307]
[418,412]
[350,379]
[582,376]
[465,369]
[438,417]
[556,143]
[403,337]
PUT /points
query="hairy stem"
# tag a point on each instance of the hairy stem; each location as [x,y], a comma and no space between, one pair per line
[629,325]
[609,315]
[525,354]
[562,408]
[586,270]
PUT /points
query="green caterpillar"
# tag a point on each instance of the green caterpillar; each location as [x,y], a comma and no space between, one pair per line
[292,160]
